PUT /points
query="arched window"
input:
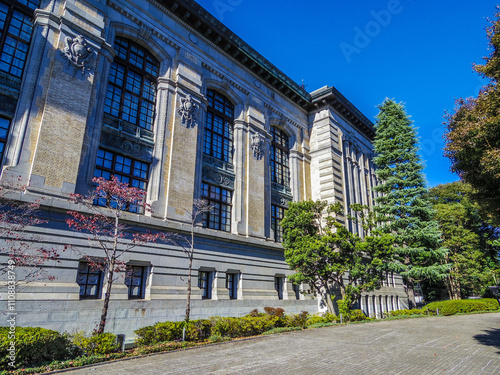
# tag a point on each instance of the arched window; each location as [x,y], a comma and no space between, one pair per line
[218,137]
[131,93]
[15,34]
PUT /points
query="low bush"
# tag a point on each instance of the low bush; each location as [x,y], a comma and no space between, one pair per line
[103,343]
[452,307]
[196,330]
[357,316]
[243,327]
[279,312]
[408,312]
[297,320]
[34,346]
[325,318]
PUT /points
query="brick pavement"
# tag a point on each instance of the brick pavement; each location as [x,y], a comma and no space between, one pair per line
[467,344]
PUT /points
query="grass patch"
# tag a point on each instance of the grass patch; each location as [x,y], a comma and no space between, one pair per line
[282,329]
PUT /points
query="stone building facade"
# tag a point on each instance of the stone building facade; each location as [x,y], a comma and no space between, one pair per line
[164,96]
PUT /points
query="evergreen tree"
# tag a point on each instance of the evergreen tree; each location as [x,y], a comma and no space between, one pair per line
[473,252]
[403,206]
[327,256]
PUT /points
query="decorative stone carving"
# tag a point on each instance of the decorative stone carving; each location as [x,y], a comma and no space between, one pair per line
[282,121]
[218,178]
[187,111]
[225,84]
[257,143]
[279,199]
[123,144]
[145,32]
[78,53]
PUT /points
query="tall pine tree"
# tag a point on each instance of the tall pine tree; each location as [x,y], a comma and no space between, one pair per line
[402,205]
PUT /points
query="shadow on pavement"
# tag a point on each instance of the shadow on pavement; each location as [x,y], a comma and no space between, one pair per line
[490,337]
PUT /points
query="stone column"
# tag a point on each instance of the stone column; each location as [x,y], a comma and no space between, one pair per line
[240,187]
[184,126]
[49,130]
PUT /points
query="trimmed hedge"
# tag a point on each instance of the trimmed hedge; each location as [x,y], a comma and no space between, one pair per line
[453,307]
[35,346]
[96,344]
[196,330]
[408,312]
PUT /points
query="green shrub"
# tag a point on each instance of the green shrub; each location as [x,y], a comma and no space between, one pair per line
[452,307]
[282,329]
[331,318]
[320,325]
[103,343]
[408,312]
[196,330]
[243,327]
[160,332]
[357,316]
[34,346]
[297,320]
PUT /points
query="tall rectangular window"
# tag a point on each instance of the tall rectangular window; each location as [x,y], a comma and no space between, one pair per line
[232,280]
[15,34]
[296,290]
[277,214]
[135,280]
[220,199]
[130,171]
[279,282]
[218,135]
[205,280]
[280,153]
[4,132]
[131,92]
[90,281]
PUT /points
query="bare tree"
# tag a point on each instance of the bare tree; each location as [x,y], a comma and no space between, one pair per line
[21,249]
[103,223]
[200,208]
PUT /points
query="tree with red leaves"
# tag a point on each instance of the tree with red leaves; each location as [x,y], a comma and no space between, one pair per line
[473,132]
[21,248]
[101,217]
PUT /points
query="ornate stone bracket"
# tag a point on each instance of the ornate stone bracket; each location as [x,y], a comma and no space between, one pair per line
[217,178]
[257,145]
[280,199]
[79,55]
[187,111]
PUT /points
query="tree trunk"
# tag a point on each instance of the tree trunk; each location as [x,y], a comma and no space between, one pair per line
[455,288]
[327,299]
[188,302]
[104,312]
[412,303]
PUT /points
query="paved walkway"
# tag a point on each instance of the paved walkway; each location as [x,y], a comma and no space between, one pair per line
[467,344]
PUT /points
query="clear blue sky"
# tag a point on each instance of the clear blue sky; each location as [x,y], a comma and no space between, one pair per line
[418,52]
